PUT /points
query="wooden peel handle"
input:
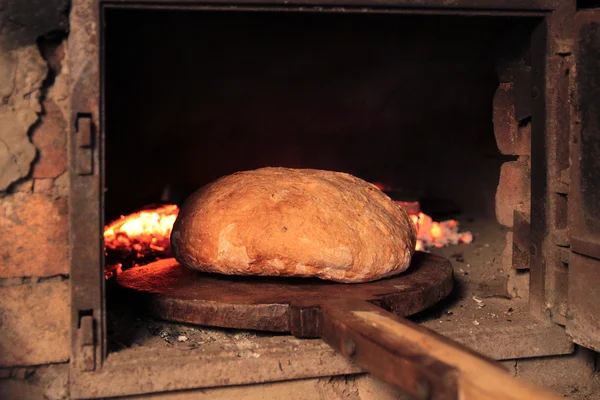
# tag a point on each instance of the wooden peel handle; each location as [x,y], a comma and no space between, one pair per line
[417,360]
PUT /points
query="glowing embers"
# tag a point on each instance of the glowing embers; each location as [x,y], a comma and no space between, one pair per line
[429,233]
[139,238]
[438,234]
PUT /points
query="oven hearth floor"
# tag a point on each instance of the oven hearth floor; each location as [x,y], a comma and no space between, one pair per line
[478,314]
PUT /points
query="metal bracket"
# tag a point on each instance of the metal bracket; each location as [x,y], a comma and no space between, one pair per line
[85,144]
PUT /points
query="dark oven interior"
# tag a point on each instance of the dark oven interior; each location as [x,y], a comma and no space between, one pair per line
[404,100]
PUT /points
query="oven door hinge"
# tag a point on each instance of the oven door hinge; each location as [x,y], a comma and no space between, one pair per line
[86,340]
[84,151]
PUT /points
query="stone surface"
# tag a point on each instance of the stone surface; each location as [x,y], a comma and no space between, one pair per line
[211,357]
[567,374]
[16,151]
[58,92]
[8,69]
[520,257]
[514,257]
[24,70]
[25,186]
[354,387]
[48,382]
[512,138]
[557,371]
[34,324]
[507,252]
[514,190]
[43,185]
[34,233]
[24,21]
[60,186]
[517,285]
[50,136]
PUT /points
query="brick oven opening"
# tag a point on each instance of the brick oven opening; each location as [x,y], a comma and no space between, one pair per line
[407,101]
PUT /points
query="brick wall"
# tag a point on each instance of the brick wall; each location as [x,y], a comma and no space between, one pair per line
[34,287]
[513,194]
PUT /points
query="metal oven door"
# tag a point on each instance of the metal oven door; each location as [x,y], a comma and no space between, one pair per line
[583,309]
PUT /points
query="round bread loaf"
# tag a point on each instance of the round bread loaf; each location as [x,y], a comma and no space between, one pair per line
[294,222]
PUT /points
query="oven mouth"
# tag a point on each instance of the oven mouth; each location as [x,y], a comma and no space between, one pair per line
[402,101]
[405,100]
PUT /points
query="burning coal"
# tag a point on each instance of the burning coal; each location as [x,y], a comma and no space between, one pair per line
[429,232]
[139,238]
[437,234]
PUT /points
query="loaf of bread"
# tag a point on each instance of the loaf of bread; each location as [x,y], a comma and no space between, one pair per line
[295,223]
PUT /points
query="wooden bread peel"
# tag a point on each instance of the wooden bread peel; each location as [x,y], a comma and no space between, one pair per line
[352,318]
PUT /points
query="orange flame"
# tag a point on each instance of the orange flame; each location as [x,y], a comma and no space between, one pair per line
[141,237]
[437,234]
[436,230]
